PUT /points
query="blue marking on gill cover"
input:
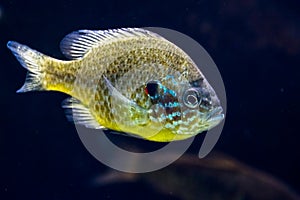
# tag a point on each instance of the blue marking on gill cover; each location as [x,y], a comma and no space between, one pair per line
[154,97]
[172,93]
[171,105]
[163,88]
[172,78]
[166,90]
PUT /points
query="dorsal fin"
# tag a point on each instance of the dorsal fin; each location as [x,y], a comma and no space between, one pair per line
[76,44]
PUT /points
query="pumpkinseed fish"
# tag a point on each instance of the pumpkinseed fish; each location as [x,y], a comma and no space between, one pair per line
[128,80]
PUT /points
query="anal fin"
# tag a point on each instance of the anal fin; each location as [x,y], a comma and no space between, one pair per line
[79,114]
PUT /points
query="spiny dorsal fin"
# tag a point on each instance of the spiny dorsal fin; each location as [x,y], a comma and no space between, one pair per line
[76,44]
[79,114]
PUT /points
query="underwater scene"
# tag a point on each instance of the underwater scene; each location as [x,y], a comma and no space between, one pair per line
[183,100]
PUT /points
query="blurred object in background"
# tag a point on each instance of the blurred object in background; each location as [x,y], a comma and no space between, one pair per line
[216,177]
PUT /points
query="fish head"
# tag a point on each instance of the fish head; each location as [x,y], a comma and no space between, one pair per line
[185,107]
[201,98]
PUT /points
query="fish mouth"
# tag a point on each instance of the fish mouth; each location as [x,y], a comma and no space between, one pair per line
[215,116]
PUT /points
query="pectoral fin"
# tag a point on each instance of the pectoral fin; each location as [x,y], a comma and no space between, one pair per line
[126,112]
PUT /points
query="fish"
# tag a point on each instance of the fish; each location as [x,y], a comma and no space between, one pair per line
[128,80]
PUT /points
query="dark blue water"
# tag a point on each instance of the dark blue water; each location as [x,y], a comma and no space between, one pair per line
[255,44]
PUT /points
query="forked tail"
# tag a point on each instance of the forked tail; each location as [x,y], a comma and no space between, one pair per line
[33,62]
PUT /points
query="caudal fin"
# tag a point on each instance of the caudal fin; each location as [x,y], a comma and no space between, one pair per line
[32,61]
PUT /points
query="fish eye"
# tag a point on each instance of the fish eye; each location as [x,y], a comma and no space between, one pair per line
[191,98]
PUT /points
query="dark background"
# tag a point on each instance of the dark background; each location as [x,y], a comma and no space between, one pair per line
[255,44]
